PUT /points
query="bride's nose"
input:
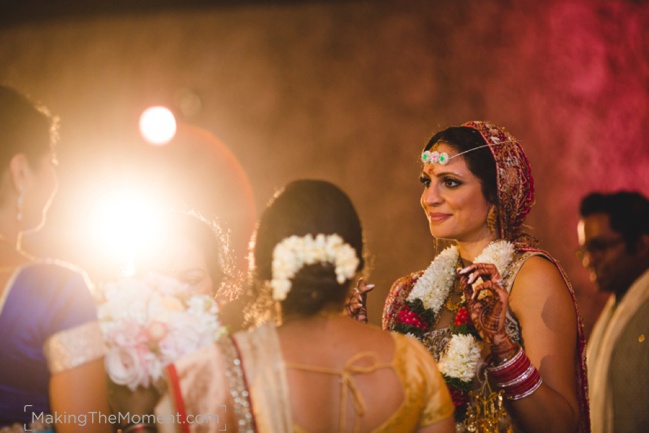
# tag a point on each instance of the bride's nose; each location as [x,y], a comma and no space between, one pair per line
[431,196]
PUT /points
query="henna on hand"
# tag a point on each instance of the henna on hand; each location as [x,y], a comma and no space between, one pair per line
[487,300]
[503,350]
[356,305]
[490,315]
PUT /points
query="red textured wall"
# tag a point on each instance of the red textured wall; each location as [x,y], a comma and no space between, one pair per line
[350,92]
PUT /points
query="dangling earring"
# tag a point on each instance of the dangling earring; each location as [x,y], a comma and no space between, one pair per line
[492,218]
[19,206]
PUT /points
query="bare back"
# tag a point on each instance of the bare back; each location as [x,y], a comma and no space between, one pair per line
[345,376]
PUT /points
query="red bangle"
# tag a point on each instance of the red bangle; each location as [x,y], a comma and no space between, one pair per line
[505,366]
[517,376]
[140,427]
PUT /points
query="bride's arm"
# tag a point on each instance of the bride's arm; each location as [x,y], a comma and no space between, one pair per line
[541,302]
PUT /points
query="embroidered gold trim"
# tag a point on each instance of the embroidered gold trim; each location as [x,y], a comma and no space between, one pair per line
[36,426]
[238,388]
[73,347]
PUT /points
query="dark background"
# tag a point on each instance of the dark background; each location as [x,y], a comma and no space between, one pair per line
[350,91]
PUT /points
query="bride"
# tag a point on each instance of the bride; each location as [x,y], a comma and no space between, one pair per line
[492,305]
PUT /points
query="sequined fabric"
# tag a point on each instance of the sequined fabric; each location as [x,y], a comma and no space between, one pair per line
[73,347]
[209,384]
[238,388]
[265,373]
[32,427]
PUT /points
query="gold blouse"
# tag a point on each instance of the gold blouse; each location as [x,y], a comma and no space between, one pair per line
[426,400]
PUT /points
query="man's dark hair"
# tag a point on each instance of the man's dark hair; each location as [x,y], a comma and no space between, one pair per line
[628,213]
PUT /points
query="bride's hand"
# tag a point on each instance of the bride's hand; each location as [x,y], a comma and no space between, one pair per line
[356,305]
[487,301]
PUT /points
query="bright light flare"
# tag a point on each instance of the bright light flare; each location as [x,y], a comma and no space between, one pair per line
[158,125]
[126,225]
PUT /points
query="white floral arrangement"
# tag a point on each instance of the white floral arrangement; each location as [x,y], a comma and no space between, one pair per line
[435,283]
[150,322]
[294,252]
[462,357]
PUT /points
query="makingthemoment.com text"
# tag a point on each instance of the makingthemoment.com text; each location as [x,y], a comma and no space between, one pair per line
[122,418]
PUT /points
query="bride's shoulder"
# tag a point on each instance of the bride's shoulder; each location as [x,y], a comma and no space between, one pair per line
[538,265]
[540,276]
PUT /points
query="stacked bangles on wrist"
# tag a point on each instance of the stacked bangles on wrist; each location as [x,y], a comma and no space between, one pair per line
[516,376]
[140,428]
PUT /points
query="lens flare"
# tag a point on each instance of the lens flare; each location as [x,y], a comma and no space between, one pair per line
[158,125]
[126,223]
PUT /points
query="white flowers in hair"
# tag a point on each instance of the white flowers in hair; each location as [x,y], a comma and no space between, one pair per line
[293,253]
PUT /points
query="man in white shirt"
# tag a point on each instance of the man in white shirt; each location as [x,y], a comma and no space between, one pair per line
[613,235]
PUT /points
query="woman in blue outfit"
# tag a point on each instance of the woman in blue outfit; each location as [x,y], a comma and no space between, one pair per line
[52,376]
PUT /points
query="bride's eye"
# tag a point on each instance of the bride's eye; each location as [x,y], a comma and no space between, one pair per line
[449,182]
[425,181]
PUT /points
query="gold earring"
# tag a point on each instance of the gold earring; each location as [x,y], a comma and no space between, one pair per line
[492,218]
[19,206]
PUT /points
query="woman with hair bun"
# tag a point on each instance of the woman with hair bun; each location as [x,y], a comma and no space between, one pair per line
[316,370]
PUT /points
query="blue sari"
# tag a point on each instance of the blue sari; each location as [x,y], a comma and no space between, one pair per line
[42,302]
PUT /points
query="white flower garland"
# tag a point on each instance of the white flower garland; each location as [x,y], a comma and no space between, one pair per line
[291,254]
[435,283]
[460,360]
[462,355]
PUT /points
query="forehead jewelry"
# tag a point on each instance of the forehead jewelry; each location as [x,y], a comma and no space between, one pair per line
[435,157]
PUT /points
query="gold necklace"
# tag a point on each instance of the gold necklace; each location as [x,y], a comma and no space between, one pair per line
[448,304]
[457,289]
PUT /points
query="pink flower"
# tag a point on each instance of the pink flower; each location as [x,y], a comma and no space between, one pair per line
[125,366]
[150,323]
[125,334]
[156,331]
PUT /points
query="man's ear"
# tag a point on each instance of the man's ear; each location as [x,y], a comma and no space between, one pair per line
[642,244]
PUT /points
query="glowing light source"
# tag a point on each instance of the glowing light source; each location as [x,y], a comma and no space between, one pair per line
[126,222]
[157,125]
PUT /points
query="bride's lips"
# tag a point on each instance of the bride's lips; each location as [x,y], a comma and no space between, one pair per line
[438,216]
